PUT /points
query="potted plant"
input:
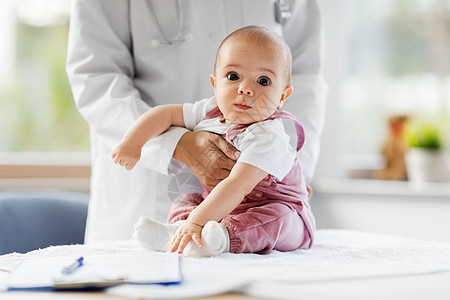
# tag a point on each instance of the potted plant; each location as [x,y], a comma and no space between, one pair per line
[425,158]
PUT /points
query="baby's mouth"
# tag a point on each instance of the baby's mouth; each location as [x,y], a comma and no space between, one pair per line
[242,106]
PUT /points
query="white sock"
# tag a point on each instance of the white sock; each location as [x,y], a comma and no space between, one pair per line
[215,240]
[154,235]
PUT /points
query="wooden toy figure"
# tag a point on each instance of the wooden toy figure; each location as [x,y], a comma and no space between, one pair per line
[394,150]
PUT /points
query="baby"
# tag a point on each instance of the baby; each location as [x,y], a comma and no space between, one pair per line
[251,81]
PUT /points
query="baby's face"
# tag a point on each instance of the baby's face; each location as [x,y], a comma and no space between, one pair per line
[250,82]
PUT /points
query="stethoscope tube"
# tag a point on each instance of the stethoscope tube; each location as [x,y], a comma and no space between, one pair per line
[282,14]
[166,40]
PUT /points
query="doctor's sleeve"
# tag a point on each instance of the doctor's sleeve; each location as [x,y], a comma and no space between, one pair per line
[100,69]
[304,35]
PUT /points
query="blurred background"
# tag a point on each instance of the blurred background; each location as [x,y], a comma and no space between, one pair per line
[383,58]
[387,67]
[36,101]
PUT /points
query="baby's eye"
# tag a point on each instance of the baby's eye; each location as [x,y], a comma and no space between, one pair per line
[233,76]
[264,81]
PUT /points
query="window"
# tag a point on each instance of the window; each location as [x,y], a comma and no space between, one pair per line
[37,112]
[384,57]
[44,142]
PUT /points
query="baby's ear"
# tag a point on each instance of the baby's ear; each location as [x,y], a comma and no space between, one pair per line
[212,79]
[287,92]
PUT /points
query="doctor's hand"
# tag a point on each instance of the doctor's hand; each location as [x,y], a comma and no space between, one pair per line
[126,155]
[210,157]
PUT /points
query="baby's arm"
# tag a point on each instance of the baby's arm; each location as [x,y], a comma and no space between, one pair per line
[147,126]
[222,200]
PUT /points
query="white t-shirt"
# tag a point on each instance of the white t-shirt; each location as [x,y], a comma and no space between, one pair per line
[264,144]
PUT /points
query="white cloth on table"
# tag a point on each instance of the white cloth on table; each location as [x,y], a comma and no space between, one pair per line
[336,255]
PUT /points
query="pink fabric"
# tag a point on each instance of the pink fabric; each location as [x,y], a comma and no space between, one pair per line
[281,220]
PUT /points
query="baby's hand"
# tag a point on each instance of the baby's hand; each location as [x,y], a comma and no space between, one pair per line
[126,155]
[185,233]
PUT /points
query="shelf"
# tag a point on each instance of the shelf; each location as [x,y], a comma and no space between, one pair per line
[381,187]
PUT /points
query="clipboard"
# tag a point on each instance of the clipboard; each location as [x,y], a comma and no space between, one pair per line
[97,272]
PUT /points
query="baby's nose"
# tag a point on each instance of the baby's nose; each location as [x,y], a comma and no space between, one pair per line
[245,89]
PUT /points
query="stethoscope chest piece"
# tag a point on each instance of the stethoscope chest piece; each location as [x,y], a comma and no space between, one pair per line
[282,12]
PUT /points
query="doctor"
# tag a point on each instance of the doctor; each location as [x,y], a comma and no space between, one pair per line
[125,57]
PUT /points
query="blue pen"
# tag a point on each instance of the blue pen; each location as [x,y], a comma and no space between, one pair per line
[73,267]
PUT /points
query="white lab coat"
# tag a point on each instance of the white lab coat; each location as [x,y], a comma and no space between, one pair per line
[117,71]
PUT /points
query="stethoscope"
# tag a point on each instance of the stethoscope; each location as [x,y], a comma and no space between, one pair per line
[282,14]
[165,40]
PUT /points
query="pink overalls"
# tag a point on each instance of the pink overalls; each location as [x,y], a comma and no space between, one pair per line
[281,220]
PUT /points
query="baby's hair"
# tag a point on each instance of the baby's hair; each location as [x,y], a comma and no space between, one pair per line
[261,36]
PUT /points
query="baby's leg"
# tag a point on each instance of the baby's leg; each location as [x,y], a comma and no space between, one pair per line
[154,235]
[157,236]
[260,229]
[215,240]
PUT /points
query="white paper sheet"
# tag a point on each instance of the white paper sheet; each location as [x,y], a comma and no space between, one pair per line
[142,269]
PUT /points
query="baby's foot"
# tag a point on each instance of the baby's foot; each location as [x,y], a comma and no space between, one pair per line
[154,235]
[215,241]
